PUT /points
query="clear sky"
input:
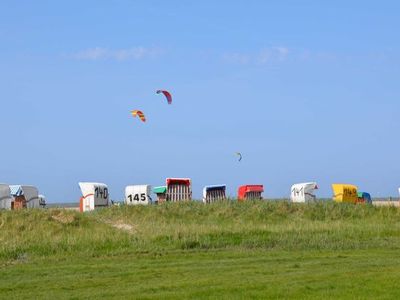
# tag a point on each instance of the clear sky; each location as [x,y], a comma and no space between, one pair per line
[306,90]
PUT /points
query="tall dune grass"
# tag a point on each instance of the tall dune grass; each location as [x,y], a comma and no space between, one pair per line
[193,226]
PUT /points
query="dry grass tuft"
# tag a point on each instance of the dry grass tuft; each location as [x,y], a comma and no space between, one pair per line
[63,217]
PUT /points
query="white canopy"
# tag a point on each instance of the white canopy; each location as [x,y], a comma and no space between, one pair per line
[213,193]
[31,194]
[5,196]
[302,192]
[138,194]
[94,194]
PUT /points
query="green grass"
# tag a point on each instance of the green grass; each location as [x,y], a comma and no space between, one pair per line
[190,250]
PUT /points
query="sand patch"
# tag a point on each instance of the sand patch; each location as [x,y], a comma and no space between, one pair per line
[120,225]
[63,218]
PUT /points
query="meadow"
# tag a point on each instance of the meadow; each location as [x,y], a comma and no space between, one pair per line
[226,250]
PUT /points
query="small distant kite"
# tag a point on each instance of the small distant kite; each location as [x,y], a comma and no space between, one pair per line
[166,94]
[240,155]
[140,114]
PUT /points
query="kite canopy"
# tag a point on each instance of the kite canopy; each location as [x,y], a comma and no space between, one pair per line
[166,94]
[240,155]
[140,114]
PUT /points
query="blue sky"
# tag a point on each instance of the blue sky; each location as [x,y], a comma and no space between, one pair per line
[306,90]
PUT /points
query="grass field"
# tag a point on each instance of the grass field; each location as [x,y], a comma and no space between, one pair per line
[190,250]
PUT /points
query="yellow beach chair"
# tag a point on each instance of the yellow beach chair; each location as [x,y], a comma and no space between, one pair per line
[345,193]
